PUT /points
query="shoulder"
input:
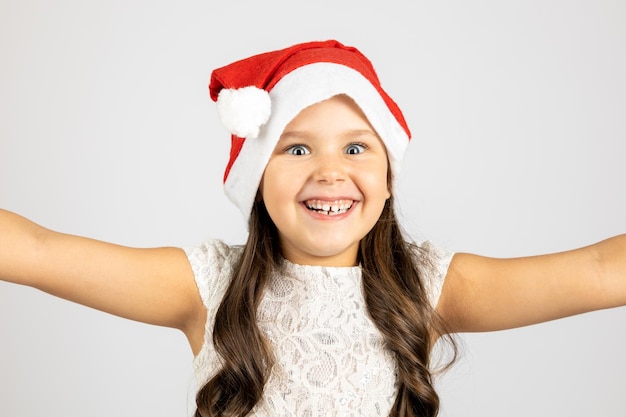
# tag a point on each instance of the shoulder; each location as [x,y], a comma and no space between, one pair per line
[432,262]
[212,252]
[212,264]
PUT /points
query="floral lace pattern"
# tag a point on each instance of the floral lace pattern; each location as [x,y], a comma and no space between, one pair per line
[330,357]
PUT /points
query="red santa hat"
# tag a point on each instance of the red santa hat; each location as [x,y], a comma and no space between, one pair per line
[258,96]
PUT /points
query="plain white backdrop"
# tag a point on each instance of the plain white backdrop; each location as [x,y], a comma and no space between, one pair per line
[518,112]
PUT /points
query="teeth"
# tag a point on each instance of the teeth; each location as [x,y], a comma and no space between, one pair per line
[331,208]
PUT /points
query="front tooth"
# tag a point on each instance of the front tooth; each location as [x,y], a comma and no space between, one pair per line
[335,207]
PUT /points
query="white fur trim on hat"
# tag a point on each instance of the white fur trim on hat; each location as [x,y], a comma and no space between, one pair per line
[243,111]
[294,92]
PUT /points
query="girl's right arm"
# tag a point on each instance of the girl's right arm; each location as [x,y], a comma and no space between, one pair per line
[154,286]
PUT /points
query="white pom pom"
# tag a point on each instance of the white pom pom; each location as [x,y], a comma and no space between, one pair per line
[244,110]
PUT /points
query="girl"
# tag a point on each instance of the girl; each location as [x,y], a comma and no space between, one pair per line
[327,309]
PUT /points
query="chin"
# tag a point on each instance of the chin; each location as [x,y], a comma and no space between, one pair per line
[340,256]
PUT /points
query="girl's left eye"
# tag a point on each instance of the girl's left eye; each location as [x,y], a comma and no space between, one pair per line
[355,148]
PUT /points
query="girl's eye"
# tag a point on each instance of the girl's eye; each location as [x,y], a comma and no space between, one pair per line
[355,148]
[298,150]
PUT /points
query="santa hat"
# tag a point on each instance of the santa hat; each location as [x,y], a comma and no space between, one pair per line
[258,96]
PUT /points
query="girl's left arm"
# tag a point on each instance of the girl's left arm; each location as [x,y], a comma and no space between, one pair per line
[485,294]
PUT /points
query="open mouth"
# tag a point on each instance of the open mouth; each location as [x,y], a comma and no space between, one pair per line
[329,208]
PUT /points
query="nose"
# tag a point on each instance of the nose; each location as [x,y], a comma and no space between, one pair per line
[329,169]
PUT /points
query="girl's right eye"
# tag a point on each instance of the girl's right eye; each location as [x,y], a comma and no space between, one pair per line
[298,150]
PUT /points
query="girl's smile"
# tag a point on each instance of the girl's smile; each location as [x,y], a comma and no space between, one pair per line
[326,183]
[332,208]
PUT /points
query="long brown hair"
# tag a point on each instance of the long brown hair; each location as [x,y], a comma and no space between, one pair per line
[396,300]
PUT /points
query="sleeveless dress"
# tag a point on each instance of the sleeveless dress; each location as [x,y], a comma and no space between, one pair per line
[330,357]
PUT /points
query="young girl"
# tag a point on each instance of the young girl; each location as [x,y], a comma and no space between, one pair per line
[328,309]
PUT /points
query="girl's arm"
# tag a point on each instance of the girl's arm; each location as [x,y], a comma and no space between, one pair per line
[154,286]
[484,294]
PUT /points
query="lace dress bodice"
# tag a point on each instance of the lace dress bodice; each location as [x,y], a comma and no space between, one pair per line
[330,357]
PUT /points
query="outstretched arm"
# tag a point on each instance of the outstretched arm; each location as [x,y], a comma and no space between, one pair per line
[485,294]
[154,286]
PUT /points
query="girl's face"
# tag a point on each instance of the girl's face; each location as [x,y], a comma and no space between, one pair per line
[325,184]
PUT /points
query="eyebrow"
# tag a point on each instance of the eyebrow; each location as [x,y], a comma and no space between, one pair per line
[288,134]
[360,132]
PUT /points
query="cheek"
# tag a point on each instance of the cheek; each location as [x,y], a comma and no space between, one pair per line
[268,183]
[274,191]
[379,181]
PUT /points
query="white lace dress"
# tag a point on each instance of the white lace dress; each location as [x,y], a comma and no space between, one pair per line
[330,357]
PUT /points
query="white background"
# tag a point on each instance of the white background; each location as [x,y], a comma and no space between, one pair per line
[518,114]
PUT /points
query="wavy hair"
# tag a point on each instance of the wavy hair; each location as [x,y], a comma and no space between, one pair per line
[396,299]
